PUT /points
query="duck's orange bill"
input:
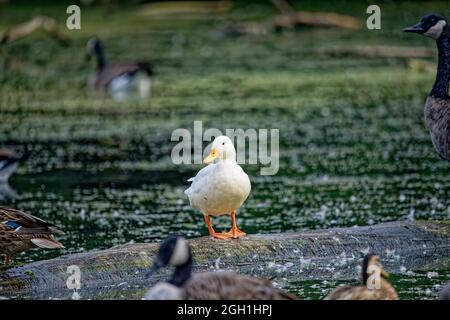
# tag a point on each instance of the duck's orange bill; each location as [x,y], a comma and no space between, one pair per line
[212,156]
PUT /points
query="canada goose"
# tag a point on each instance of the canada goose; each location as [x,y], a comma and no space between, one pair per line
[445,292]
[221,187]
[20,231]
[437,105]
[175,251]
[119,79]
[7,193]
[9,163]
[374,275]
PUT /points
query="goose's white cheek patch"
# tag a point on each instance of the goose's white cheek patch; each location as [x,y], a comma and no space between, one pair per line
[180,254]
[436,30]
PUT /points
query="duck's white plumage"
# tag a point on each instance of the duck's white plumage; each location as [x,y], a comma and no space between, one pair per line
[220,187]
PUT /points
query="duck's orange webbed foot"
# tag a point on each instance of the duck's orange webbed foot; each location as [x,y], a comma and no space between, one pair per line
[221,236]
[212,233]
[235,232]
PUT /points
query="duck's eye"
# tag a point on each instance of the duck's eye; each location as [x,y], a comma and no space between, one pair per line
[223,143]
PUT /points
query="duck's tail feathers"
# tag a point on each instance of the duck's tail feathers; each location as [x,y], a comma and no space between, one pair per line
[56,230]
[47,243]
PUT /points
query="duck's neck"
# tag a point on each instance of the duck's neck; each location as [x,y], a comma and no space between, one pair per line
[181,274]
[227,161]
[440,87]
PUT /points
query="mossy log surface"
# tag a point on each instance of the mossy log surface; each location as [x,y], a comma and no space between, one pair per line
[286,258]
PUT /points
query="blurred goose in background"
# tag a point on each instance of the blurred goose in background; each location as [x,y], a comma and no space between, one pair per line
[437,105]
[445,292]
[371,266]
[176,252]
[120,80]
[7,193]
[20,231]
[221,187]
[9,163]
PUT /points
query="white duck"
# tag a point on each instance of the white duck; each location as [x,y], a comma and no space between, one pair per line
[221,187]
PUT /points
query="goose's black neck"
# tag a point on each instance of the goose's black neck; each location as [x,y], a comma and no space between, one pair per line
[440,87]
[181,274]
[99,56]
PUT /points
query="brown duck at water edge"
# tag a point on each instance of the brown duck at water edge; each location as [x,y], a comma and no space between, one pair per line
[385,291]
[20,231]
[220,285]
[437,105]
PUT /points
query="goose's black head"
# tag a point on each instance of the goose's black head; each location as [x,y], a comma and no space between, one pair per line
[174,251]
[370,262]
[93,47]
[432,25]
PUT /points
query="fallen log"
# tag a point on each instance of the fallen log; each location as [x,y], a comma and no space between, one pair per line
[289,18]
[168,8]
[49,25]
[285,258]
[315,19]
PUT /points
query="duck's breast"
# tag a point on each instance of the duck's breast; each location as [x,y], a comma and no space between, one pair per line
[222,190]
[11,243]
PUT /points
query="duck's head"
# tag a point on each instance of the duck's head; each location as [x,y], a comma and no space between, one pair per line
[371,260]
[431,25]
[174,251]
[222,148]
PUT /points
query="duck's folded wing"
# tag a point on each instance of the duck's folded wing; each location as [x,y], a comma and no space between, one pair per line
[47,243]
[203,173]
[24,223]
[199,180]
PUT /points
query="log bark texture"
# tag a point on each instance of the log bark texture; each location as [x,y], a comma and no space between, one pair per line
[47,24]
[287,259]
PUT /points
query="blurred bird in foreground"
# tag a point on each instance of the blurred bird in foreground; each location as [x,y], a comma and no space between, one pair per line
[20,231]
[121,80]
[374,284]
[176,252]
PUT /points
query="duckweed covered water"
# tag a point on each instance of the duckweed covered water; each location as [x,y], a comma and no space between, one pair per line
[353,147]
